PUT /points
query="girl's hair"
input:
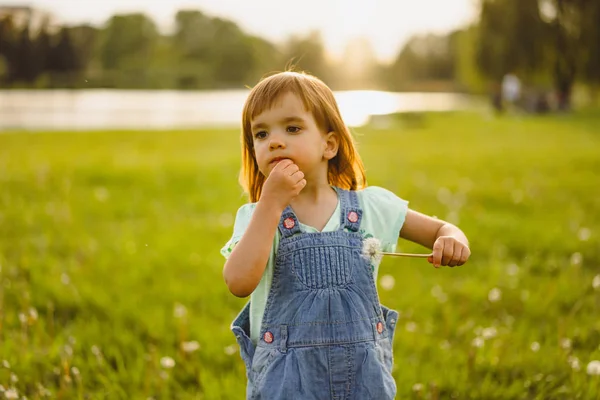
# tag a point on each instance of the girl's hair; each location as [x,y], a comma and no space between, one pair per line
[345,170]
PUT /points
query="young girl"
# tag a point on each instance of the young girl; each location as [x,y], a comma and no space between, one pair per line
[314,327]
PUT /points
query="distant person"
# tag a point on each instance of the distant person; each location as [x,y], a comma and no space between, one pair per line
[511,89]
[314,326]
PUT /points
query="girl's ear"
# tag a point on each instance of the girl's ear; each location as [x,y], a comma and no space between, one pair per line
[332,145]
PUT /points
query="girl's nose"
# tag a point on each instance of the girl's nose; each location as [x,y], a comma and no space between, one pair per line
[276,142]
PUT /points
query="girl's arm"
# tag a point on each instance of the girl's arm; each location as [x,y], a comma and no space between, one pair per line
[246,264]
[449,244]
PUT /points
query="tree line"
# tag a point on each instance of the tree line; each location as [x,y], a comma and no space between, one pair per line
[548,43]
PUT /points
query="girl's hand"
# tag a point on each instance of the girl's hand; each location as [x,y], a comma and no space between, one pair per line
[283,184]
[447,250]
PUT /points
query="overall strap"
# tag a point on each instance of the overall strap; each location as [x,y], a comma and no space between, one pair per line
[350,211]
[288,223]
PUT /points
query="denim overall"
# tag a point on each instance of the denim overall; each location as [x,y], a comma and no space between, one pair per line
[324,334]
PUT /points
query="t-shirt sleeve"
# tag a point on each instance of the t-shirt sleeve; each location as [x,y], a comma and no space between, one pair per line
[242,219]
[387,213]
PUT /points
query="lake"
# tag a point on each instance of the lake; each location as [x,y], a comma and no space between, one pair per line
[149,109]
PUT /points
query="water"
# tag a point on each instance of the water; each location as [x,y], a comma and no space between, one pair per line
[145,109]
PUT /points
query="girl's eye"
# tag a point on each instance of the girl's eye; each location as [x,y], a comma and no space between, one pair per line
[293,129]
[260,135]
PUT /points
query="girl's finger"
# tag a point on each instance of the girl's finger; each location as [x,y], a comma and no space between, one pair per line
[448,253]
[438,248]
[458,249]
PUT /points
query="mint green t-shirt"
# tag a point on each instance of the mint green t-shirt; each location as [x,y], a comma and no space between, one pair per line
[383,217]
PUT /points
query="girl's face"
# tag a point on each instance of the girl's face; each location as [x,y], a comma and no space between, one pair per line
[287,130]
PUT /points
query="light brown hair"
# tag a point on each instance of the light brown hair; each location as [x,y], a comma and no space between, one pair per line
[345,170]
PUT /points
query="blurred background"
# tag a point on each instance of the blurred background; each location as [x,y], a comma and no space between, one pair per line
[541,55]
[119,157]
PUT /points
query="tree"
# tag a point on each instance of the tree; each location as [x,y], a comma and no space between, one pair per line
[511,38]
[129,41]
[308,54]
[9,47]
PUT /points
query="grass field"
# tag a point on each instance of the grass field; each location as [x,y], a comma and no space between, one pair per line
[110,272]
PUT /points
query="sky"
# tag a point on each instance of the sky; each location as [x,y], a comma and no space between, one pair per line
[387,24]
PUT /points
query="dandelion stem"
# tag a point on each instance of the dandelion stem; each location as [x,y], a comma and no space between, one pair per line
[406,255]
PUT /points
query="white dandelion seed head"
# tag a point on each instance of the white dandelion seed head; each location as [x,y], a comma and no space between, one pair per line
[75,371]
[574,363]
[190,347]
[387,282]
[593,367]
[565,343]
[180,311]
[478,342]
[371,250]
[576,258]
[495,295]
[11,393]
[596,282]
[535,347]
[167,362]
[5,364]
[489,333]
[417,387]
[584,234]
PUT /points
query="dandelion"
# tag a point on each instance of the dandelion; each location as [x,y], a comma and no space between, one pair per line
[478,342]
[494,295]
[5,364]
[574,363]
[593,368]
[411,326]
[68,350]
[576,259]
[596,282]
[180,311]
[75,371]
[33,314]
[535,347]
[167,362]
[489,333]
[11,393]
[190,347]
[417,387]
[14,378]
[584,234]
[512,269]
[22,318]
[387,282]
[371,250]
[230,350]
[439,294]
[565,343]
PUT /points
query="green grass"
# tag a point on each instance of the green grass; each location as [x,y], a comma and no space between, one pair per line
[103,235]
